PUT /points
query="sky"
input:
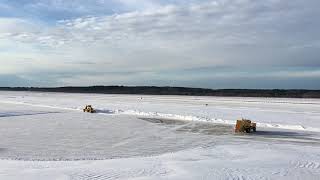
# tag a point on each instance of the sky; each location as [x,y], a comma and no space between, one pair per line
[264,44]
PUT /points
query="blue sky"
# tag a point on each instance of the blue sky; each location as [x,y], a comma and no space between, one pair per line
[196,43]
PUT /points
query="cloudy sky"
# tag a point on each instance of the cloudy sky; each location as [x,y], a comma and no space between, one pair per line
[196,43]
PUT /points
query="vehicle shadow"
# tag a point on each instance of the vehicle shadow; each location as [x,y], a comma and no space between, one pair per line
[105,111]
[298,136]
[281,134]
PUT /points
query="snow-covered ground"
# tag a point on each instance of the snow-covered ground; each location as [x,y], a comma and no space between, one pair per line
[46,136]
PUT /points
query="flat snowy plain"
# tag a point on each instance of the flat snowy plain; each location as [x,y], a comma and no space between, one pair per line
[47,136]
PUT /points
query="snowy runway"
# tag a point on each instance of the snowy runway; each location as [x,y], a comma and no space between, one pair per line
[46,136]
[33,133]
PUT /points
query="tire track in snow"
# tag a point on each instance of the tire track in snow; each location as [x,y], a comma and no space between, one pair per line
[308,165]
[154,169]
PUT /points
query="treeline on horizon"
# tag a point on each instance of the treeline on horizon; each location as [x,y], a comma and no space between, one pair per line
[153,90]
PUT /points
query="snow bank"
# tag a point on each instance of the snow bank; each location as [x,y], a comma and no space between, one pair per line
[203,119]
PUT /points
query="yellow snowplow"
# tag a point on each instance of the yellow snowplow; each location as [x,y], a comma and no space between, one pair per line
[89,109]
[245,126]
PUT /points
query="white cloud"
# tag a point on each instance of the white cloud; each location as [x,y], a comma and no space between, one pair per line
[14,25]
[140,4]
[158,37]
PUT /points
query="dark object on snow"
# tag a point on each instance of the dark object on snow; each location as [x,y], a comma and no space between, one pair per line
[89,109]
[245,126]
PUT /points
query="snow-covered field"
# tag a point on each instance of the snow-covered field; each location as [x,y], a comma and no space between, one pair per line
[47,136]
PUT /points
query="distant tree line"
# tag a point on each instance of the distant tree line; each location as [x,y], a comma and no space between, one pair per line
[153,90]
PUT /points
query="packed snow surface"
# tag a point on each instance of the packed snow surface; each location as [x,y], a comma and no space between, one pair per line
[47,136]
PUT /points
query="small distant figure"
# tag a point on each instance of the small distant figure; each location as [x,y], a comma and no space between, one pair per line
[89,109]
[207,104]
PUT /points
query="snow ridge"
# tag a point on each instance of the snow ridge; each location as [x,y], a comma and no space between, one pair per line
[105,111]
[201,119]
